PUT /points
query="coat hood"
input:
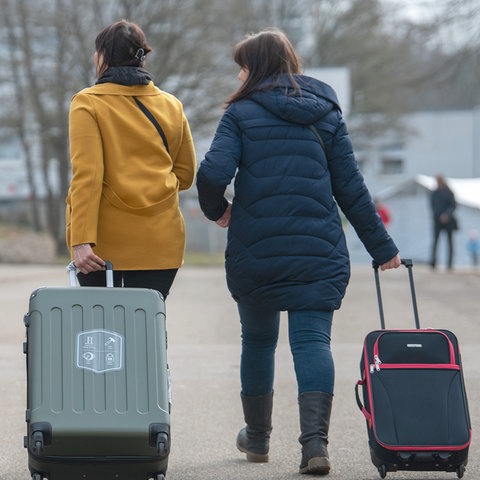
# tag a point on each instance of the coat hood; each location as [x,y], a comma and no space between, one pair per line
[314,100]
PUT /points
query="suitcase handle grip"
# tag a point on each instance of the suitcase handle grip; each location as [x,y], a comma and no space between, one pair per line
[109,273]
[409,265]
[72,270]
[367,415]
[408,262]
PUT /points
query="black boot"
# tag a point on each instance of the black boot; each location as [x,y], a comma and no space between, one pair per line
[254,439]
[315,409]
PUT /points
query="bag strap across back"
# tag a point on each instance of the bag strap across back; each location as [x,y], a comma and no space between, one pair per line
[149,115]
[319,138]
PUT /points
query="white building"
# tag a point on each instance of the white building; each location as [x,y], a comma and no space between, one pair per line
[446,142]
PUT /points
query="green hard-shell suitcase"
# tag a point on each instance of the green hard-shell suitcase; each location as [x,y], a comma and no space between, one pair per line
[98,390]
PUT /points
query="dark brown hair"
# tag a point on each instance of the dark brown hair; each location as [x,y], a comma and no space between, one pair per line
[265,54]
[120,44]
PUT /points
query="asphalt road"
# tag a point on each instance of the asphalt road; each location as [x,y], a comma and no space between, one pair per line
[204,352]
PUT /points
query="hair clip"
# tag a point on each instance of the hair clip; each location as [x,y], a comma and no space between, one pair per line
[140,55]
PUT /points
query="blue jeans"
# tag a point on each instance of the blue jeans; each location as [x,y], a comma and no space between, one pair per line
[309,336]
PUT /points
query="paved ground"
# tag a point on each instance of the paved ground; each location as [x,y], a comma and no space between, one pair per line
[204,359]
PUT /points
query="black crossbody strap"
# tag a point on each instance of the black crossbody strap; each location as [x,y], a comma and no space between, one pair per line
[149,115]
[319,138]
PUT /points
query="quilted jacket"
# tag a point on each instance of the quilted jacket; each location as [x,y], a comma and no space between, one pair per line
[286,247]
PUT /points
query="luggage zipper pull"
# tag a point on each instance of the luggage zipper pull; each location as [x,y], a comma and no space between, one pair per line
[377,362]
[376,365]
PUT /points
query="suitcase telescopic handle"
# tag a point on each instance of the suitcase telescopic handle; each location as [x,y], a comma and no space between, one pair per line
[72,270]
[409,264]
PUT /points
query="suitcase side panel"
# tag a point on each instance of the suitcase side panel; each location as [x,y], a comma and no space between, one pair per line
[87,404]
[402,400]
[408,453]
[419,408]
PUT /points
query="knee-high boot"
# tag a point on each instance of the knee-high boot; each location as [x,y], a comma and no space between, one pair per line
[254,438]
[315,409]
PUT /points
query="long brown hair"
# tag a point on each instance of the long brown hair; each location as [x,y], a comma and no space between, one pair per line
[120,44]
[265,54]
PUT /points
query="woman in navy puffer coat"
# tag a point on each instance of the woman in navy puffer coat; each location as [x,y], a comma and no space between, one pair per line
[286,144]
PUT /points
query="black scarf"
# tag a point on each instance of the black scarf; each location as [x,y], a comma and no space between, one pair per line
[127,76]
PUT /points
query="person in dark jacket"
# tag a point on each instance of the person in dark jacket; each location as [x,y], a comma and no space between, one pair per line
[283,139]
[443,205]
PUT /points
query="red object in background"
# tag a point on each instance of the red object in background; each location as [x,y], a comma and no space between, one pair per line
[384,213]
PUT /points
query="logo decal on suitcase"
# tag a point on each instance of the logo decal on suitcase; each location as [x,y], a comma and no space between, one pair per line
[99,351]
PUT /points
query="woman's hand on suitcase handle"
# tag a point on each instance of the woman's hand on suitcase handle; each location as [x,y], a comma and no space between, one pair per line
[85,260]
[395,262]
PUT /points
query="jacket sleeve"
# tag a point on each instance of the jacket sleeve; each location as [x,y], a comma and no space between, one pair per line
[87,172]
[184,165]
[353,197]
[219,167]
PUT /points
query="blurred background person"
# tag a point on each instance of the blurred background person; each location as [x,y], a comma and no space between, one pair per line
[443,205]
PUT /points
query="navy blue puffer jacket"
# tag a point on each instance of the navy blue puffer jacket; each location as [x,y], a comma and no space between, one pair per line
[286,247]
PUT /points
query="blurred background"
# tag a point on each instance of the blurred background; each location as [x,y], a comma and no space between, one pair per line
[406,73]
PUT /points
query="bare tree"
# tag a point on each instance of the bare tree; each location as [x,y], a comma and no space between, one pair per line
[20,120]
[36,34]
[455,50]
[396,64]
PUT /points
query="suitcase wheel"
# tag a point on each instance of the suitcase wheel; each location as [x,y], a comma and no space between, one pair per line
[382,470]
[37,476]
[460,471]
[160,476]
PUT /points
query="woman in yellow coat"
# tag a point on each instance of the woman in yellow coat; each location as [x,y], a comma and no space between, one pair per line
[131,152]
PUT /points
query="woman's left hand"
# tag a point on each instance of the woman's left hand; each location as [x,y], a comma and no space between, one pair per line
[224,220]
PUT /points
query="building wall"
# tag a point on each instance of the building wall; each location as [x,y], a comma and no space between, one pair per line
[444,142]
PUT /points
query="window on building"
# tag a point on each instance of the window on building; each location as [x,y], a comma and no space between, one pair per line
[391,165]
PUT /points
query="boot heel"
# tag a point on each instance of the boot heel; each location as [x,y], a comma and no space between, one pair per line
[251,456]
[257,457]
[317,466]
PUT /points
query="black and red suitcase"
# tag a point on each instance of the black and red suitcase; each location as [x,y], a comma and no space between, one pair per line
[98,390]
[414,397]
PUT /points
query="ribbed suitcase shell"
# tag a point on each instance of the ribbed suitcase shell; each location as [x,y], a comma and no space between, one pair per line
[97,384]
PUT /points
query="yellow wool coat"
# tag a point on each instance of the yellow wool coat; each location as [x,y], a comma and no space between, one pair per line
[123,196]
